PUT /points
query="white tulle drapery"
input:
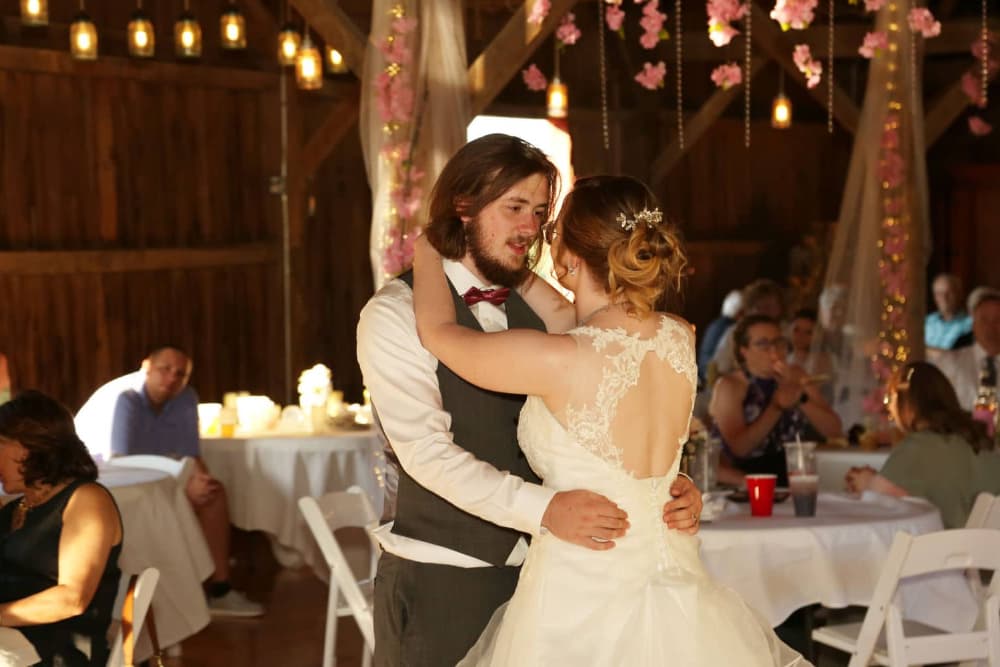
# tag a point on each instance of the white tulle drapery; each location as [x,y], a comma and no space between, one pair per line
[874,286]
[414,111]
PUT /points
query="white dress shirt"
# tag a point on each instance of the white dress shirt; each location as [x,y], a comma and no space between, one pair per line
[962,367]
[401,377]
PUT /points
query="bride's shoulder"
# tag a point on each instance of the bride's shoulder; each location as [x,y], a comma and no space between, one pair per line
[672,321]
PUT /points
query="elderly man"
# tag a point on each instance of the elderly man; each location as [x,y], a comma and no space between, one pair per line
[964,365]
[160,417]
[944,328]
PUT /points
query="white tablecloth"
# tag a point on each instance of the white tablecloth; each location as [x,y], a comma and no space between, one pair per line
[15,649]
[832,464]
[781,563]
[161,531]
[266,475]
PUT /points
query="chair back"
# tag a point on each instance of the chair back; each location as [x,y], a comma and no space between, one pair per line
[181,469]
[134,609]
[985,512]
[331,512]
[942,551]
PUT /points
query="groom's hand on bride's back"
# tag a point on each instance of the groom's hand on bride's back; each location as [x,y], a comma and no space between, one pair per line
[683,513]
[585,518]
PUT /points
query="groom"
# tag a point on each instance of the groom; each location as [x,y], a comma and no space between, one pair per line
[453,553]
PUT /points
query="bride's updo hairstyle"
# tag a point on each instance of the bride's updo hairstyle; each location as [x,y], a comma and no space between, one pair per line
[611,223]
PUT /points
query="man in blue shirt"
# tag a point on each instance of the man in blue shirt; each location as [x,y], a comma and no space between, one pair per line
[161,418]
[944,328]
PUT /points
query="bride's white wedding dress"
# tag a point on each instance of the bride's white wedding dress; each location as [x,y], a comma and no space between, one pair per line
[647,601]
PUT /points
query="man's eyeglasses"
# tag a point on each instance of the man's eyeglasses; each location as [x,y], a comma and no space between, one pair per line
[549,232]
[779,344]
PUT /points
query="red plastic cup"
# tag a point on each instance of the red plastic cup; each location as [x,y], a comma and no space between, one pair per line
[760,489]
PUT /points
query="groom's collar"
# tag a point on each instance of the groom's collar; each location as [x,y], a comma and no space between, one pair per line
[461,277]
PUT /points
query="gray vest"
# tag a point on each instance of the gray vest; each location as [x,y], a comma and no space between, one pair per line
[485,424]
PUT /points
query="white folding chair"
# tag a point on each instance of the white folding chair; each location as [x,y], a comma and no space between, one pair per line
[885,638]
[985,512]
[181,469]
[325,515]
[142,599]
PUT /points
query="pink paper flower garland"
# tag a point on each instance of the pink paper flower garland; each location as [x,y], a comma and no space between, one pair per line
[973,88]
[728,75]
[395,99]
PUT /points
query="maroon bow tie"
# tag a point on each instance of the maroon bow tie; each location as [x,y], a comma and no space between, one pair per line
[494,296]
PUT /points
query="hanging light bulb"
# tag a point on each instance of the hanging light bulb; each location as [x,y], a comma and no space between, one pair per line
[83,36]
[233,28]
[35,12]
[308,65]
[336,61]
[781,107]
[288,44]
[187,34]
[141,38]
[557,98]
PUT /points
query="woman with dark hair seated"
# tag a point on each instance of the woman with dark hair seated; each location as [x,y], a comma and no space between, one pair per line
[764,404]
[945,456]
[59,542]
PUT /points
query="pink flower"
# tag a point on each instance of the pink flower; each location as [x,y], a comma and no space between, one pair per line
[401,101]
[922,21]
[892,169]
[875,43]
[728,75]
[404,25]
[977,46]
[797,14]
[973,90]
[651,76]
[567,32]
[615,17]
[652,22]
[812,69]
[893,206]
[649,40]
[399,252]
[721,33]
[890,138]
[533,78]
[979,127]
[874,5]
[539,11]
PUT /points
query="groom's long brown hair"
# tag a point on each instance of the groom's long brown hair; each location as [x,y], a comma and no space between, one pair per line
[478,174]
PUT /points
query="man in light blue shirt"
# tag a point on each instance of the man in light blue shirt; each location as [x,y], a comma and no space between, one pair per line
[944,328]
[161,418]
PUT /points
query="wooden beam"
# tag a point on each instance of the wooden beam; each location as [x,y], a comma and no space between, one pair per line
[768,37]
[698,125]
[61,262]
[946,109]
[339,121]
[60,62]
[336,28]
[510,49]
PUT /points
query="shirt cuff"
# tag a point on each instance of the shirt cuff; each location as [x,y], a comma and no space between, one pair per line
[531,502]
[684,474]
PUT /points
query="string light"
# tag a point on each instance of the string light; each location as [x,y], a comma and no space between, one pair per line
[557,96]
[233,28]
[781,107]
[604,75]
[308,65]
[984,73]
[679,31]
[187,34]
[746,78]
[289,40]
[141,37]
[829,74]
[335,59]
[83,36]
[35,12]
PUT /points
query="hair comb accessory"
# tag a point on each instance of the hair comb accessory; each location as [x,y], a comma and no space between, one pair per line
[650,218]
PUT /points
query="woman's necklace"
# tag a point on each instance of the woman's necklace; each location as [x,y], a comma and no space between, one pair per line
[594,314]
[24,505]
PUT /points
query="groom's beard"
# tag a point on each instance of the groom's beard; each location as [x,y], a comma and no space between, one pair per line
[493,269]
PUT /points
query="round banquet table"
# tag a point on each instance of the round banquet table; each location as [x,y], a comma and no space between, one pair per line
[265,475]
[783,562]
[161,531]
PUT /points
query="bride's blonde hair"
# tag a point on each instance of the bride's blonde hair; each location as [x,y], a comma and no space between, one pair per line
[613,223]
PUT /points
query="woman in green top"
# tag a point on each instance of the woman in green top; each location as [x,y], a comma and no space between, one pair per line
[945,454]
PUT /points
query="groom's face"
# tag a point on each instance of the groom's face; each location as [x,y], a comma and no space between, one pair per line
[498,239]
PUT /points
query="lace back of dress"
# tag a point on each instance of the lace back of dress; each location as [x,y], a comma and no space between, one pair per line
[632,395]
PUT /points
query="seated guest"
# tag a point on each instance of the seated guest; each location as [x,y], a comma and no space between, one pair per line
[731,307]
[945,456]
[161,418]
[60,542]
[766,403]
[4,379]
[816,362]
[761,297]
[963,366]
[944,328]
[93,421]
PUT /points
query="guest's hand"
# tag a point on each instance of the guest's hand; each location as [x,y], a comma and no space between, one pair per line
[586,519]
[859,480]
[202,488]
[790,384]
[683,513]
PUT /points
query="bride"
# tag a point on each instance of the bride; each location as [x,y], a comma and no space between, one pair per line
[608,410]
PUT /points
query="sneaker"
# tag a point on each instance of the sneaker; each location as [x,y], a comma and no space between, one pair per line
[234,603]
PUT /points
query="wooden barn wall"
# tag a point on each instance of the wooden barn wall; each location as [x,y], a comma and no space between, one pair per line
[96,168]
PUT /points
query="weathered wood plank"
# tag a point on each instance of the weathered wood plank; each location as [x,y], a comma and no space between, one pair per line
[55,262]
